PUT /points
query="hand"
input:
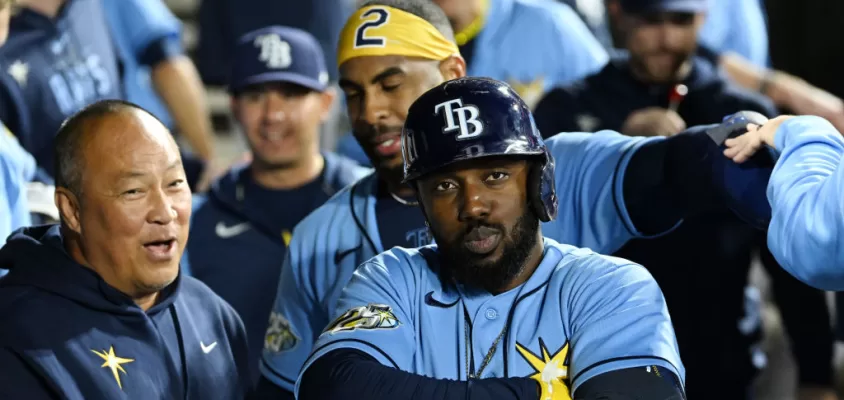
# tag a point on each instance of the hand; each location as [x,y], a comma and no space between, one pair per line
[653,121]
[741,148]
[816,393]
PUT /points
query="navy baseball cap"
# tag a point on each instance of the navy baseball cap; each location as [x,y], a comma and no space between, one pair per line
[650,6]
[278,54]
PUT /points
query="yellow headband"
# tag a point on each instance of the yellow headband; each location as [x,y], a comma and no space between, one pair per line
[388,31]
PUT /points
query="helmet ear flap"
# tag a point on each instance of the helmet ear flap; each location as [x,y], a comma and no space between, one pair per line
[542,194]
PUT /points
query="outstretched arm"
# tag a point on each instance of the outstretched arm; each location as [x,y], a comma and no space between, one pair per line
[804,192]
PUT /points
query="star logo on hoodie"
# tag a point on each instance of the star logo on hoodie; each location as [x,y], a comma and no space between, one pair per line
[113,363]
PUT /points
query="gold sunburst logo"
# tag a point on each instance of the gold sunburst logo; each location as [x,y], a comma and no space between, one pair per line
[113,362]
[551,371]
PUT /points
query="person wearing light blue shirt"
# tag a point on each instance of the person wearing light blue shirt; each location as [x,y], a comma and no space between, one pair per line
[805,192]
[17,167]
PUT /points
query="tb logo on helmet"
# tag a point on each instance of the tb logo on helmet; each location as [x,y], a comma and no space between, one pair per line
[274,51]
[467,119]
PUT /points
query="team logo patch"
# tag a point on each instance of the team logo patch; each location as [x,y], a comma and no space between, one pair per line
[551,371]
[373,316]
[113,363]
[280,336]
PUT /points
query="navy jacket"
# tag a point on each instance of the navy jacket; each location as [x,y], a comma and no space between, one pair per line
[66,334]
[605,100]
[239,235]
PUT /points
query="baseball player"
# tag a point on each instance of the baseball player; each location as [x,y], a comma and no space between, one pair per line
[391,52]
[804,191]
[516,314]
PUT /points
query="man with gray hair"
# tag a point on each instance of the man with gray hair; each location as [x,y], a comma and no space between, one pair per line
[95,307]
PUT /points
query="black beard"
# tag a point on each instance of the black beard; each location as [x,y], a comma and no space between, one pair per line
[460,265]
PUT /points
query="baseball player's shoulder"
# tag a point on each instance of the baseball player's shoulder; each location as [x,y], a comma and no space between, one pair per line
[347,170]
[400,262]
[545,11]
[334,209]
[582,266]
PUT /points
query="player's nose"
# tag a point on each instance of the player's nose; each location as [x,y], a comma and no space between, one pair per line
[474,204]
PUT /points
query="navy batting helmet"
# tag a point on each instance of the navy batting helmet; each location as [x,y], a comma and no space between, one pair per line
[471,118]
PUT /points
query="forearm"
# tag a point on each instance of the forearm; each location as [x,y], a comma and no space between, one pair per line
[177,83]
[351,374]
[805,194]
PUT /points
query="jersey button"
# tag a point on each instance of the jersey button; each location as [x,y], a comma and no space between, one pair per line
[491,313]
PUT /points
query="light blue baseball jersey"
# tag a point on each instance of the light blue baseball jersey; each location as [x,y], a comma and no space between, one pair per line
[535,45]
[136,24]
[16,169]
[579,315]
[737,26]
[806,234]
[336,238]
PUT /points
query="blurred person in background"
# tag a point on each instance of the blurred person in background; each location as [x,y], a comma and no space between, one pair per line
[637,94]
[241,228]
[158,76]
[17,166]
[532,45]
[59,57]
[734,36]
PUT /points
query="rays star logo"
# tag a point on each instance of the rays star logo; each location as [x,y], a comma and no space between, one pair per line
[113,363]
[551,371]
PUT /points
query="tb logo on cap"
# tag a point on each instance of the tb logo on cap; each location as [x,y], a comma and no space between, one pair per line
[274,51]
[467,119]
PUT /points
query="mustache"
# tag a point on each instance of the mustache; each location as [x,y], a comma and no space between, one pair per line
[377,130]
[480,231]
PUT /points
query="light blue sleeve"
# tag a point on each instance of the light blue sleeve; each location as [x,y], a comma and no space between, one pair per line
[373,313]
[578,52]
[142,22]
[589,179]
[737,26]
[17,168]
[294,318]
[618,319]
[806,191]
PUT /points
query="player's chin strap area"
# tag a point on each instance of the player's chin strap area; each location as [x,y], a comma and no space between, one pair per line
[650,382]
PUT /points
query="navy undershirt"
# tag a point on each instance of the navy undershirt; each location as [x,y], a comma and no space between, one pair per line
[399,224]
[283,209]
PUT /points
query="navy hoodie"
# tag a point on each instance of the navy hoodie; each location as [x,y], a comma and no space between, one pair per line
[66,334]
[238,239]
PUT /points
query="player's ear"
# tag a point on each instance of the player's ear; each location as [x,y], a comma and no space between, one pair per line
[328,96]
[68,205]
[453,67]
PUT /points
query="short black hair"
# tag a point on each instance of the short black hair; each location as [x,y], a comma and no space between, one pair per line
[68,160]
[425,9]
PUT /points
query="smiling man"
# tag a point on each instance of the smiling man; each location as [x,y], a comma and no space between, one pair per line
[241,229]
[95,307]
[494,310]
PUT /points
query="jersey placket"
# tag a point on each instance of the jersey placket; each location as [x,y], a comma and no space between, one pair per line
[486,330]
